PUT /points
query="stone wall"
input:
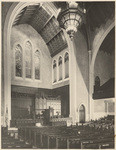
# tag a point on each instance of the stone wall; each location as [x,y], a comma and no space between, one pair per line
[104,67]
[20,34]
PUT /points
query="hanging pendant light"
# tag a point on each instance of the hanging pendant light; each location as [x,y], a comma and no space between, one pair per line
[71,17]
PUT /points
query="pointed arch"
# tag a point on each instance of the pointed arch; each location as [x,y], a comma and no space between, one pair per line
[82,114]
[54,71]
[37,64]
[28,59]
[18,61]
[11,14]
[66,65]
[97,81]
[60,67]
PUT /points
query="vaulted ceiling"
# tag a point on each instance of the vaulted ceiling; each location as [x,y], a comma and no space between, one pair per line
[99,12]
[45,23]
[108,44]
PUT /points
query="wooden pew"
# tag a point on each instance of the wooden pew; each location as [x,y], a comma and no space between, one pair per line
[62,137]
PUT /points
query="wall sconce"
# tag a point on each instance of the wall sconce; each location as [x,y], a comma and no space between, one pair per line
[71,17]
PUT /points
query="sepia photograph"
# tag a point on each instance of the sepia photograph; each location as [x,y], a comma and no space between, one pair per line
[57,74]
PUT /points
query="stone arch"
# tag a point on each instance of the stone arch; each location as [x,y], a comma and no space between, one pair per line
[11,14]
[103,32]
[96,45]
[100,40]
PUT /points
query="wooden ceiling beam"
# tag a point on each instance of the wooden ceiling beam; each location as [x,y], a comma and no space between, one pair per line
[21,15]
[37,7]
[54,36]
[46,23]
[59,50]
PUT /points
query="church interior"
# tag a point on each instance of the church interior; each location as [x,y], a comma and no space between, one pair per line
[58,80]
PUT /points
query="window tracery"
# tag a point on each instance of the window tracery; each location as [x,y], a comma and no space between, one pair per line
[28,59]
[54,71]
[60,67]
[37,64]
[66,64]
[18,61]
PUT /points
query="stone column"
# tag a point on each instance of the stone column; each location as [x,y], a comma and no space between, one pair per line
[91,90]
[90,100]
[72,77]
[7,86]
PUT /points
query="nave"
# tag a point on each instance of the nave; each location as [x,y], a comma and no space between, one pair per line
[58,88]
[98,134]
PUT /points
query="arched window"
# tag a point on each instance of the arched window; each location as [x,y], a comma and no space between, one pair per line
[97,84]
[54,71]
[28,59]
[60,68]
[18,61]
[66,65]
[37,64]
[97,81]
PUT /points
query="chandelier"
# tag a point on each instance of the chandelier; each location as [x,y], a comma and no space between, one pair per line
[71,17]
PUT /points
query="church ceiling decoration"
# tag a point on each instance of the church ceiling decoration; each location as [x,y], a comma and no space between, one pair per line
[45,23]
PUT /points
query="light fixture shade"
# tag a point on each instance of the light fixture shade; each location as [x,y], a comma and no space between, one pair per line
[70,18]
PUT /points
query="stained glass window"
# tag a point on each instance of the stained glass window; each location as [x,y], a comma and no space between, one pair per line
[37,65]
[28,59]
[18,61]
[60,68]
[66,62]
[54,71]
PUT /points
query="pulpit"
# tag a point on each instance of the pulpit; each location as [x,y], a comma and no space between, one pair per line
[47,114]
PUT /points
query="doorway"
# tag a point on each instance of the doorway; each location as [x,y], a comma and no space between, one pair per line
[82,114]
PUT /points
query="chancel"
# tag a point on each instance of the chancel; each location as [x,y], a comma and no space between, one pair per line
[58,75]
